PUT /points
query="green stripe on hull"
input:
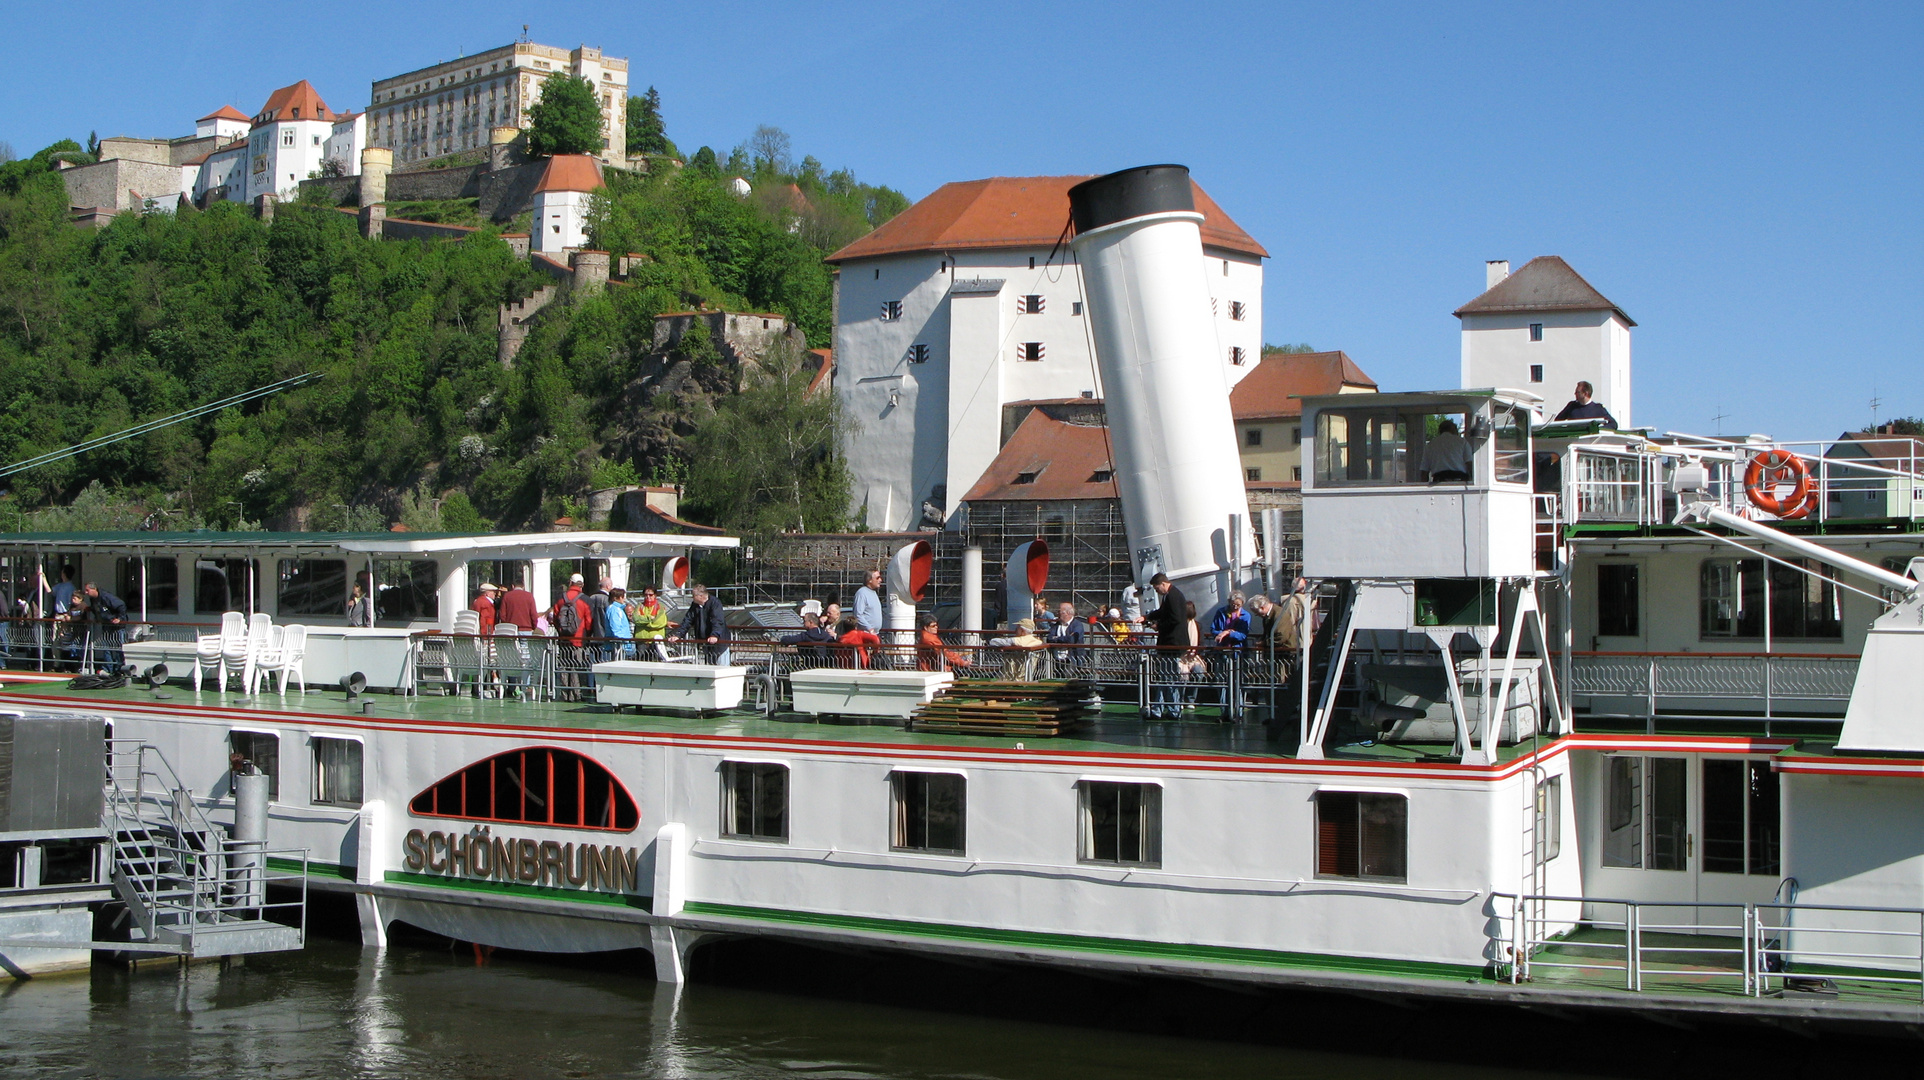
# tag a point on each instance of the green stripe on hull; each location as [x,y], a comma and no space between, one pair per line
[505,888]
[321,869]
[1146,950]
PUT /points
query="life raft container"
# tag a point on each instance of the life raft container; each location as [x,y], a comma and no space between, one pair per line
[1767,471]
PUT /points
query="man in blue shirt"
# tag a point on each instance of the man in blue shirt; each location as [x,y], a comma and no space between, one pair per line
[63,592]
[868,603]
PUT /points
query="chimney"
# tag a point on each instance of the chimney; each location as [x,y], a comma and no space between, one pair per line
[1494,272]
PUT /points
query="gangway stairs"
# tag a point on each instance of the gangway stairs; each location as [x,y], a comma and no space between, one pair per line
[191,889]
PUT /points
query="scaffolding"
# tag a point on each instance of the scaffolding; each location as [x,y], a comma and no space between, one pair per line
[1089,563]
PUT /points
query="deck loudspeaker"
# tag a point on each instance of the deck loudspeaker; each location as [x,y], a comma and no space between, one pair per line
[353,685]
[156,676]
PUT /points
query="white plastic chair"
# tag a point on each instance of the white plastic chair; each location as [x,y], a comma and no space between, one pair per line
[284,656]
[210,648]
[266,659]
[237,657]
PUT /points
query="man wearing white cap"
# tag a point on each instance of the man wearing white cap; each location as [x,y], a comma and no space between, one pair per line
[484,606]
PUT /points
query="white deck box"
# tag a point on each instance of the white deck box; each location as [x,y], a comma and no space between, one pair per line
[657,685]
[858,692]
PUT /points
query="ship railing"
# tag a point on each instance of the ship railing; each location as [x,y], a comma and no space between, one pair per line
[1769,685]
[1751,948]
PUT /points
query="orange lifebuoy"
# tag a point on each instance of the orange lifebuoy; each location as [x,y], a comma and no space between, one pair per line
[1771,468]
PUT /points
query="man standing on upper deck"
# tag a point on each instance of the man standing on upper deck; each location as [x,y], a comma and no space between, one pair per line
[706,624]
[63,592]
[598,607]
[108,618]
[1585,409]
[868,603]
[1170,621]
[484,607]
[517,608]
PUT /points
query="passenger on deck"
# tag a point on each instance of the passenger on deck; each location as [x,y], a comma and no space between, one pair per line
[856,641]
[484,606]
[1229,627]
[1447,456]
[1067,630]
[707,624]
[932,654]
[1020,645]
[1172,631]
[619,626]
[868,603]
[1582,408]
[517,608]
[107,623]
[651,624]
[813,642]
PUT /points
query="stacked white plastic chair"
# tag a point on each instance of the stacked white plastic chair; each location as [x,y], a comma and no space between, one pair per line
[466,651]
[237,657]
[211,649]
[282,655]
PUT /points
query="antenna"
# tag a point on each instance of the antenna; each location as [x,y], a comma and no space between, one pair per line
[1720,418]
[1876,403]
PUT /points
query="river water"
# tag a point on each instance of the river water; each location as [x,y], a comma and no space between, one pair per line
[336,1010]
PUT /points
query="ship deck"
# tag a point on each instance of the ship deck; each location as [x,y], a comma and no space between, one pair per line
[1117,731]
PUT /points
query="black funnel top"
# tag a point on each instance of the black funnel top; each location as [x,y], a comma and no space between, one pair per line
[1119,196]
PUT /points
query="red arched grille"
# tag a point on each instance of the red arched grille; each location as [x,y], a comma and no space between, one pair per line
[536,785]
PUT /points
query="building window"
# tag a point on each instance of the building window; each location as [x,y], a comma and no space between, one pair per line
[1549,818]
[1617,600]
[1296,473]
[1102,476]
[1253,437]
[1030,351]
[1225,267]
[1252,475]
[920,352]
[891,310]
[1075,307]
[1536,331]
[1536,373]
[1032,262]
[1237,310]
[930,812]
[1296,435]
[1645,819]
[1025,478]
[1740,817]
[263,750]
[755,800]
[287,138]
[337,772]
[1362,836]
[1733,594]
[1030,304]
[1236,355]
[1121,823]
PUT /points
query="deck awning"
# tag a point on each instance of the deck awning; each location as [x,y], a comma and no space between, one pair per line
[545,545]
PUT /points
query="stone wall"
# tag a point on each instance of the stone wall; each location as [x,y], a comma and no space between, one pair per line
[341,190]
[113,183]
[403,229]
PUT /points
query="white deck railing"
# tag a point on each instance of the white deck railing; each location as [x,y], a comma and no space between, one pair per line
[1764,684]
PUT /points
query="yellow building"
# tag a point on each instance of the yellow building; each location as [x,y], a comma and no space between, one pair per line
[1268,409]
[453,106]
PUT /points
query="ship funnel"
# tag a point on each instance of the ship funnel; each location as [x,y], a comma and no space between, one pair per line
[907,582]
[1172,437]
[1025,576]
[674,574]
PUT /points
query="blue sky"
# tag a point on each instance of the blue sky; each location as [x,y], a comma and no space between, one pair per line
[1744,180]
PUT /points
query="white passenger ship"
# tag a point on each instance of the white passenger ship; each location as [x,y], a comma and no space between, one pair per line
[1591,728]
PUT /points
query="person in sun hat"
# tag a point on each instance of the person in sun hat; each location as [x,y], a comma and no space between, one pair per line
[484,606]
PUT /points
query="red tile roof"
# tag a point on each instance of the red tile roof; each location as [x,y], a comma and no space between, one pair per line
[298,102]
[1011,211]
[1061,460]
[1273,388]
[570,172]
[225,112]
[824,364]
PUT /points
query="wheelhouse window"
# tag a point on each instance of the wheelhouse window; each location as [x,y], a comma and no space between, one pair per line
[313,587]
[754,800]
[262,749]
[1733,596]
[537,785]
[1741,832]
[1362,835]
[405,590]
[337,772]
[930,812]
[1121,823]
[1618,599]
[158,576]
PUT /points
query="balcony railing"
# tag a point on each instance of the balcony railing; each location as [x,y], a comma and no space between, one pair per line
[1770,685]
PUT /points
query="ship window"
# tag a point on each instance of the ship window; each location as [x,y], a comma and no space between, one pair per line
[1549,818]
[313,587]
[158,575]
[1120,823]
[929,812]
[337,772]
[406,590]
[1804,604]
[755,800]
[263,748]
[1253,437]
[1645,821]
[538,785]
[1362,835]
[1740,817]
[1617,600]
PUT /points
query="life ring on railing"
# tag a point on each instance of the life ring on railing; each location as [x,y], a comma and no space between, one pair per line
[1771,468]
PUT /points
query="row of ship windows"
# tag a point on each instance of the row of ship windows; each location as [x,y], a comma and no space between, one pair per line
[1736,598]
[1037,304]
[1359,835]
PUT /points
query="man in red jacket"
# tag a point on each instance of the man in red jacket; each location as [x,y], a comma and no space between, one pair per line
[484,607]
[571,619]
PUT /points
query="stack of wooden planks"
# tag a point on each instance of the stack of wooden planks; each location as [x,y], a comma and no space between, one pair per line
[1042,709]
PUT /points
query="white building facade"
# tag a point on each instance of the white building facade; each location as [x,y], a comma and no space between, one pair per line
[288,140]
[453,106]
[345,143]
[1544,329]
[963,304]
[561,200]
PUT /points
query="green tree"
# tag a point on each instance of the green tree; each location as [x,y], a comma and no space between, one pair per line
[567,118]
[1305,347]
[769,458]
[647,134]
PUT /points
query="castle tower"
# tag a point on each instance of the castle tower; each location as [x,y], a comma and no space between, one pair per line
[1543,329]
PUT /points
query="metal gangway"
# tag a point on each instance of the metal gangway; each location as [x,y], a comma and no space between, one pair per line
[190,888]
